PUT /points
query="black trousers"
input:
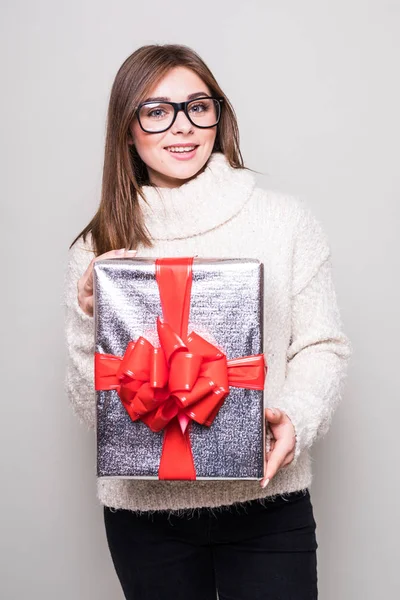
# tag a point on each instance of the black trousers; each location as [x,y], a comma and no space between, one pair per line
[246,552]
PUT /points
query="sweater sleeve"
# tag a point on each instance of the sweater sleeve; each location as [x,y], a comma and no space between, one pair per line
[79,339]
[319,351]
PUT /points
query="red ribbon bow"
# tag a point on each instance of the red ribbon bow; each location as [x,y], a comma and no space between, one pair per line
[186,379]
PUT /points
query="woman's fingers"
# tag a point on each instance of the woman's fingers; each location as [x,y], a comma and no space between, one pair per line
[274,415]
[85,283]
[281,451]
[121,253]
[270,415]
[277,458]
[271,447]
[85,290]
[267,456]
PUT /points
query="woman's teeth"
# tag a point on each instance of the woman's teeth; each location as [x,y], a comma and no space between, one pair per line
[181,149]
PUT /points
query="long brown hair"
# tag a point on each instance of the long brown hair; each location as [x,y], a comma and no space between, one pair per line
[119,222]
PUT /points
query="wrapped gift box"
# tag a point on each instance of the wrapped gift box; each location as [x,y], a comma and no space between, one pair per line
[221,301]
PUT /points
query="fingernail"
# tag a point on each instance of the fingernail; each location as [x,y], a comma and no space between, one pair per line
[120,251]
[272,410]
[131,251]
[265,483]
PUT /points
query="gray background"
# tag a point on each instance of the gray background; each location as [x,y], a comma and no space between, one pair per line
[316,89]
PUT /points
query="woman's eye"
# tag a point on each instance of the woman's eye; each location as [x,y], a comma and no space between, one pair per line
[155,113]
[200,107]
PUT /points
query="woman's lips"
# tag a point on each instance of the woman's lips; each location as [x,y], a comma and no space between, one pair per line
[182,155]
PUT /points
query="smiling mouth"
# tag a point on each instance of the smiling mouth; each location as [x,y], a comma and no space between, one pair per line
[181,149]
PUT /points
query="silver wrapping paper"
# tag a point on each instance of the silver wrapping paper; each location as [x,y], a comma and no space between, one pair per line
[227,310]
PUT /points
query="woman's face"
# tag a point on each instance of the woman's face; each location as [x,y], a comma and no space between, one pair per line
[165,168]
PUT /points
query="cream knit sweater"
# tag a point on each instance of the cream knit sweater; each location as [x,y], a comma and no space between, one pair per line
[222,213]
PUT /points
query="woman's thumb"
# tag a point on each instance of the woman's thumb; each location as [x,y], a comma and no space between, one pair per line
[273,414]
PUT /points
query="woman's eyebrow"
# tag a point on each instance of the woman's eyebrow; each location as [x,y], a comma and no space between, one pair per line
[166,99]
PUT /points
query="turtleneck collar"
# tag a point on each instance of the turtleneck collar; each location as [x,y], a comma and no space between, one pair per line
[208,200]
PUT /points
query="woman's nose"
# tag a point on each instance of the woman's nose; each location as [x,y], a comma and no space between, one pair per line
[182,123]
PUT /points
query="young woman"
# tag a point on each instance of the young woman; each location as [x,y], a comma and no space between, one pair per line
[174,184]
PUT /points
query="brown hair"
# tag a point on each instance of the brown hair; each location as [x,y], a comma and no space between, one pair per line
[119,222]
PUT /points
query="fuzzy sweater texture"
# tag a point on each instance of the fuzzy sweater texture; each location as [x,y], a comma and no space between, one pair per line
[223,213]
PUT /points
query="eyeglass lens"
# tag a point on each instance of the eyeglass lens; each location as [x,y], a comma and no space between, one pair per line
[158,115]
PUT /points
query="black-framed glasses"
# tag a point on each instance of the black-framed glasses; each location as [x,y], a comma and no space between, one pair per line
[203,112]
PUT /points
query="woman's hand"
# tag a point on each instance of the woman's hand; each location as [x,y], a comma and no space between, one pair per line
[282,444]
[85,283]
